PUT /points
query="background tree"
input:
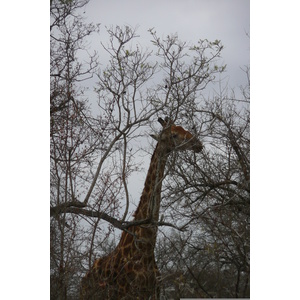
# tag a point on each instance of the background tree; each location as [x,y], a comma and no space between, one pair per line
[95,148]
[72,140]
[212,197]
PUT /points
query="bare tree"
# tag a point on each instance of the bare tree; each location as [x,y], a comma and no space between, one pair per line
[72,140]
[211,198]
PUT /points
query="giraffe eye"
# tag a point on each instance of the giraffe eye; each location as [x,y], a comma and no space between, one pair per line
[174,135]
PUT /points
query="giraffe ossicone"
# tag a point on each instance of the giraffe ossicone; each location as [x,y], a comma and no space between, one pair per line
[130,270]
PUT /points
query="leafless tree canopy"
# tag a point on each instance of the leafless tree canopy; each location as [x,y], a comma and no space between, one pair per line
[203,243]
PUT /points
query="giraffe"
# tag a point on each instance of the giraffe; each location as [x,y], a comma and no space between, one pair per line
[130,271]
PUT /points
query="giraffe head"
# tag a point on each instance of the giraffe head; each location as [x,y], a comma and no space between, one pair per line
[176,138]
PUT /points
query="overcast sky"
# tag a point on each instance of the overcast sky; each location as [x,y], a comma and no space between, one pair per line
[225,20]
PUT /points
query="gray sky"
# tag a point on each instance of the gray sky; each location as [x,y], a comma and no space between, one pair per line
[225,20]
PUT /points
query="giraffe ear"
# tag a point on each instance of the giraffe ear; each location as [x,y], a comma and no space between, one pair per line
[155,136]
[162,122]
[167,121]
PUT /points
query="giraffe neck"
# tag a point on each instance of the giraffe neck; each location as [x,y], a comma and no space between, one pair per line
[150,200]
[144,237]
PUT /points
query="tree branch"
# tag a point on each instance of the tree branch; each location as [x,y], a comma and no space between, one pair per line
[77,208]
